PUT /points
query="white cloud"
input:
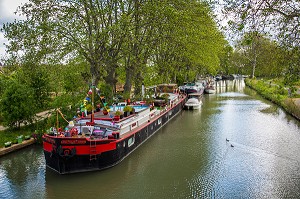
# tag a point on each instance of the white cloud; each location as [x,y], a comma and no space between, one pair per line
[7,14]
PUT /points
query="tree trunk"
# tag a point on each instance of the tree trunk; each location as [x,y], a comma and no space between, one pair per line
[95,73]
[111,78]
[128,84]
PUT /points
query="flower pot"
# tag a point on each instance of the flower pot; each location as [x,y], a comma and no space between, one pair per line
[117,117]
[20,140]
[126,114]
[7,144]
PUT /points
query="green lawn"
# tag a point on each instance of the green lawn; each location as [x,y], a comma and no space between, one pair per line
[11,135]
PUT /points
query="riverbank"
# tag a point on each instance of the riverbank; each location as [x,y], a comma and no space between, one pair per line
[11,134]
[278,95]
[15,147]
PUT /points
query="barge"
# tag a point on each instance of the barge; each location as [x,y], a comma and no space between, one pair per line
[98,142]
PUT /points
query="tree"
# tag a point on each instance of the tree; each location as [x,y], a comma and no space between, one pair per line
[276,19]
[60,30]
[189,42]
[268,55]
[173,37]
[17,105]
[280,18]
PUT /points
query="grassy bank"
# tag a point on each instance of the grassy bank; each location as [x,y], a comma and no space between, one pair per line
[11,135]
[38,128]
[276,92]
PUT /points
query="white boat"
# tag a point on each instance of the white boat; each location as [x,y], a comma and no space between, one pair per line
[210,90]
[194,101]
[192,87]
[210,87]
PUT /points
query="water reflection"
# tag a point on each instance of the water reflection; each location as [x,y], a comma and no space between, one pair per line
[188,158]
[22,174]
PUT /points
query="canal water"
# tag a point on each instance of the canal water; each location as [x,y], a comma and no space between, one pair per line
[188,158]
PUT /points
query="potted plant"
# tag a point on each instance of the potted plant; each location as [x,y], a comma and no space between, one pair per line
[132,111]
[105,110]
[89,108]
[121,114]
[127,110]
[7,144]
[27,137]
[117,115]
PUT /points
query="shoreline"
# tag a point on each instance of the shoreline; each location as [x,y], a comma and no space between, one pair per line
[290,105]
[16,147]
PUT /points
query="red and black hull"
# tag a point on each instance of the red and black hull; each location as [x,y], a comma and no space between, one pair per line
[71,155]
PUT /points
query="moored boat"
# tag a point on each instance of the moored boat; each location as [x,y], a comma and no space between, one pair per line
[192,87]
[194,101]
[99,142]
[210,89]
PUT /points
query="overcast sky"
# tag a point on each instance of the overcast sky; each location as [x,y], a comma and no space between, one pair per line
[7,9]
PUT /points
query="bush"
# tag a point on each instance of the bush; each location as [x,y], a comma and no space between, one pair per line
[17,104]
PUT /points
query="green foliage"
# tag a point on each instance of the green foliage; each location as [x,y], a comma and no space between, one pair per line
[118,113]
[127,109]
[255,24]
[11,135]
[38,80]
[106,108]
[72,78]
[18,104]
[68,113]
[66,99]
[275,93]
[106,90]
[292,71]
[89,107]
[257,55]
[280,18]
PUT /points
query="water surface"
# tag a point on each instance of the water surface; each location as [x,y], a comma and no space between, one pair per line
[187,158]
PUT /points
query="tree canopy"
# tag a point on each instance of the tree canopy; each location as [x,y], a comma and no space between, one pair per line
[133,34]
[275,20]
[61,46]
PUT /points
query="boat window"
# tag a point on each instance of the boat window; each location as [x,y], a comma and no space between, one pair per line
[131,141]
[108,132]
[159,121]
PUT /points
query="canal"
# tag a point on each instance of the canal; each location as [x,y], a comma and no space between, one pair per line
[188,158]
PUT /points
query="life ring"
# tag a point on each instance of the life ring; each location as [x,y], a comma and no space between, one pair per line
[66,153]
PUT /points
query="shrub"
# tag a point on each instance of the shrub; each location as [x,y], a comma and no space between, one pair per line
[17,104]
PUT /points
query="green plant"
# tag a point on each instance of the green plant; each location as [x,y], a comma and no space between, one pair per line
[105,108]
[118,113]
[127,109]
[89,107]
[165,97]
[132,110]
